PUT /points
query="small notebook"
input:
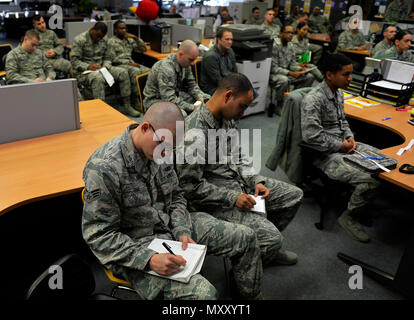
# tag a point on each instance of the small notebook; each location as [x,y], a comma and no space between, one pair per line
[260,206]
[369,165]
[194,255]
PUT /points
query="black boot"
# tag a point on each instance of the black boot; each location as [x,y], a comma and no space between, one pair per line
[271,110]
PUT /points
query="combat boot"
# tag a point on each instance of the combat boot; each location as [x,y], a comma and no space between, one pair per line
[353,227]
[128,109]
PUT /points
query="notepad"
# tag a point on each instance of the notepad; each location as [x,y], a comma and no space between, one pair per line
[362,103]
[306,57]
[194,255]
[260,206]
[106,74]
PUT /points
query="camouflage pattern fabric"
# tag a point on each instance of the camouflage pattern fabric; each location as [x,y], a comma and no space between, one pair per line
[283,61]
[121,55]
[381,46]
[214,188]
[396,10]
[303,46]
[317,24]
[350,41]
[24,67]
[392,53]
[324,124]
[252,20]
[130,200]
[168,81]
[84,53]
[273,30]
[49,40]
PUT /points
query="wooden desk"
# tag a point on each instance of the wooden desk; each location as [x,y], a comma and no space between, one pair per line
[159,56]
[403,279]
[397,124]
[50,166]
[321,37]
[359,52]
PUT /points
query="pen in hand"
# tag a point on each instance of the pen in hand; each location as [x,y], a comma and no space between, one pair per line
[166,246]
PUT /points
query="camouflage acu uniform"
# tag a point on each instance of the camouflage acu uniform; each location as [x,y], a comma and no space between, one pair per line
[130,200]
[253,20]
[318,24]
[392,53]
[121,55]
[324,124]
[350,41]
[397,10]
[168,81]
[84,53]
[304,46]
[214,188]
[24,67]
[273,30]
[380,47]
[283,61]
[49,40]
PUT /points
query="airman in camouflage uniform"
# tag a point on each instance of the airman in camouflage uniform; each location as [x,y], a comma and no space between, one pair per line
[90,53]
[381,47]
[396,10]
[270,28]
[26,63]
[400,50]
[351,39]
[317,22]
[130,200]
[171,79]
[285,69]
[121,46]
[302,46]
[388,42]
[324,124]
[223,189]
[51,46]
[255,17]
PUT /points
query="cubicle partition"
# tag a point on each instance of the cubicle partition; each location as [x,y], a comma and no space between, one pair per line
[73,29]
[38,109]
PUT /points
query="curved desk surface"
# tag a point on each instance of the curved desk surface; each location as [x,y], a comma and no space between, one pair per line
[397,124]
[49,166]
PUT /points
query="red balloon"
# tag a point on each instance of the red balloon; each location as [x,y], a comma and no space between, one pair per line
[147,10]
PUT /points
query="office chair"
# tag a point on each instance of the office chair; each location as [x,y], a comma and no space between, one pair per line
[295,157]
[196,69]
[120,287]
[141,82]
[4,50]
[77,282]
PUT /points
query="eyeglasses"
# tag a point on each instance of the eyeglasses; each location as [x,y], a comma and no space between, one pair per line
[168,147]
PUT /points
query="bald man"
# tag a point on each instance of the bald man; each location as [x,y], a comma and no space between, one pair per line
[171,79]
[131,198]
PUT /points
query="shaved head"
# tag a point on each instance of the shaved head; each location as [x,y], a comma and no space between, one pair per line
[187,45]
[163,115]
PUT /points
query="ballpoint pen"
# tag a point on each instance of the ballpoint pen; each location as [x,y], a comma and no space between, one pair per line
[166,246]
[387,118]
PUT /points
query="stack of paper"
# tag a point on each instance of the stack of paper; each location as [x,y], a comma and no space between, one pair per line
[362,103]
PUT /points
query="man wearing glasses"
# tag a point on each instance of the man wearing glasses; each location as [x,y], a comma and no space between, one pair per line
[225,190]
[171,79]
[130,199]
[285,69]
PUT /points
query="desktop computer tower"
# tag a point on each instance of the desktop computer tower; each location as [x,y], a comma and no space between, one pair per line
[161,37]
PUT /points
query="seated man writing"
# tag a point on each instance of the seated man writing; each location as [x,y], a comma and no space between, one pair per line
[324,124]
[132,197]
[224,189]
[26,63]
[171,79]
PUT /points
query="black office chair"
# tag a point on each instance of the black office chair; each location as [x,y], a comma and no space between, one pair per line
[77,282]
[4,50]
